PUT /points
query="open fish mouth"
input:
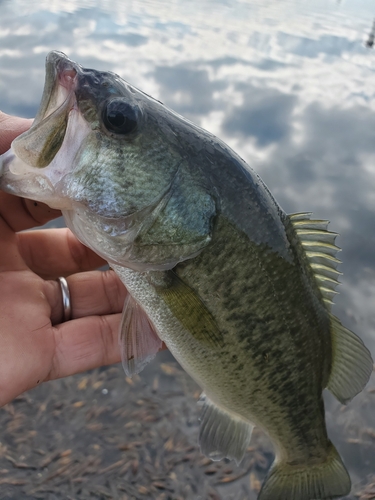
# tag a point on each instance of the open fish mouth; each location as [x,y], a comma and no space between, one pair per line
[38,146]
[42,156]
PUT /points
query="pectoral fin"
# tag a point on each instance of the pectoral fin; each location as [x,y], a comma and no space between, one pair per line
[189,309]
[138,339]
[352,364]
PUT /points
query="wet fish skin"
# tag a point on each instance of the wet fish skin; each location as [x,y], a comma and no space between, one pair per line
[212,264]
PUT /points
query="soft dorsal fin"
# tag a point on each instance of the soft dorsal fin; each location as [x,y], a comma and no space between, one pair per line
[138,339]
[352,364]
[320,250]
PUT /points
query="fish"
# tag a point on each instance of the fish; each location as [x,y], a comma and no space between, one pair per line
[238,290]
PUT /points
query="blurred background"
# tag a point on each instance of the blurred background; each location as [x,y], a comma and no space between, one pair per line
[290,86]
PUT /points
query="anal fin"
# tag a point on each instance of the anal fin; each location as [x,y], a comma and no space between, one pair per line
[222,435]
[138,339]
[352,364]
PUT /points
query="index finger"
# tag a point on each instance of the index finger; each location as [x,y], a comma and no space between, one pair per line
[19,213]
[10,128]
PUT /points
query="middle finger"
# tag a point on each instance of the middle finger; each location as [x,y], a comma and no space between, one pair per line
[56,252]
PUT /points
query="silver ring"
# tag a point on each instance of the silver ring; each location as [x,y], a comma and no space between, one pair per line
[67,308]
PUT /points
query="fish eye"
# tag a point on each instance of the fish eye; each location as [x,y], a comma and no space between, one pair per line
[119,116]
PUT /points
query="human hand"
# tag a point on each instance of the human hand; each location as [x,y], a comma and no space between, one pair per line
[36,345]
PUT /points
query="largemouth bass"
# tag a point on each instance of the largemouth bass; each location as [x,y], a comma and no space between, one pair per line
[239,291]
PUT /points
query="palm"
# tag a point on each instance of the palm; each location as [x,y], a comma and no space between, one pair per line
[35,346]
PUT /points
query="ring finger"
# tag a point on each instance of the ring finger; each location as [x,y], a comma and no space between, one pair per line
[91,293]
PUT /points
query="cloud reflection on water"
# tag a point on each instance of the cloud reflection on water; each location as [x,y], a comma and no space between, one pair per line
[265,114]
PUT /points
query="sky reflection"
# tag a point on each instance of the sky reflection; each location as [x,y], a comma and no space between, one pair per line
[289,86]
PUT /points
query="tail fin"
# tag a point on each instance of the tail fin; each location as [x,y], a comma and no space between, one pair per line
[324,481]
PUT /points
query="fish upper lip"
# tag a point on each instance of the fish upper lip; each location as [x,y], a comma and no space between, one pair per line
[68,78]
[66,70]
[63,74]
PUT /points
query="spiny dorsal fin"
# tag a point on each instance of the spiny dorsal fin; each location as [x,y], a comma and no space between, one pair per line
[320,250]
[352,364]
